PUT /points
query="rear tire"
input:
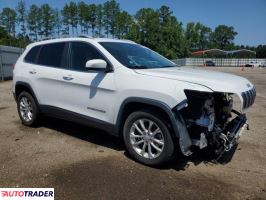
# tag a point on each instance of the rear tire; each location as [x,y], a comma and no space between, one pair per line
[27,109]
[147,138]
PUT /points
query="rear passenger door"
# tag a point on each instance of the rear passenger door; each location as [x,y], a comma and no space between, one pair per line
[52,64]
[88,92]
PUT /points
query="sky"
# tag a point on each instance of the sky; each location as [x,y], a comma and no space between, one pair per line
[248,17]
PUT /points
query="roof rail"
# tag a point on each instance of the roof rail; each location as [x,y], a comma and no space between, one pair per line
[127,40]
[64,36]
[53,37]
[46,38]
[85,36]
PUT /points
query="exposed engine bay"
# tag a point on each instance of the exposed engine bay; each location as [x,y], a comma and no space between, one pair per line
[212,122]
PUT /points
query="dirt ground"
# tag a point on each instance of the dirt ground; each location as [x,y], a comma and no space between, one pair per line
[84,163]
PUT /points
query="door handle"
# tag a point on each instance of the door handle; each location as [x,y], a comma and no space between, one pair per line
[67,78]
[32,72]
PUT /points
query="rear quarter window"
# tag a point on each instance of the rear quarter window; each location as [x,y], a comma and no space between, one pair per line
[31,56]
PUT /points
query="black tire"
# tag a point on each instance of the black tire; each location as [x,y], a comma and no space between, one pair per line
[35,110]
[169,148]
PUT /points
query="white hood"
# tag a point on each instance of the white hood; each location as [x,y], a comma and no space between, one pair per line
[216,81]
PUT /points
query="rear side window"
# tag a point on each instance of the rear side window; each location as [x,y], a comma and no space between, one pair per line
[31,57]
[81,52]
[52,55]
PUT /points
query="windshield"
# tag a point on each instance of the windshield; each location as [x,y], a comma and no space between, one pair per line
[135,56]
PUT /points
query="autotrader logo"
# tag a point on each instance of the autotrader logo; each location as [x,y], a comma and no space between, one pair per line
[26,193]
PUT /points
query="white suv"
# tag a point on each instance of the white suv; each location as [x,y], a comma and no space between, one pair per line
[133,92]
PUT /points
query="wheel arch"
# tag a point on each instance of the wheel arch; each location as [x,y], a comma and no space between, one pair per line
[132,104]
[23,86]
[175,119]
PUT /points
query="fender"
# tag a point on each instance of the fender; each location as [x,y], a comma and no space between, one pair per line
[27,85]
[176,120]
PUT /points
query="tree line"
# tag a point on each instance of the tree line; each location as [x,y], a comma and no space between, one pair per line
[158,29]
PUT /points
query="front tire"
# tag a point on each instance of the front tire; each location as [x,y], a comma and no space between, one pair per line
[27,109]
[147,138]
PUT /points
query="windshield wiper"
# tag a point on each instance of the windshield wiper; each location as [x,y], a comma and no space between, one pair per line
[170,66]
[148,67]
[139,67]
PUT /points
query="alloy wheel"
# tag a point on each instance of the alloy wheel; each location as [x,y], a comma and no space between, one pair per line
[25,108]
[147,138]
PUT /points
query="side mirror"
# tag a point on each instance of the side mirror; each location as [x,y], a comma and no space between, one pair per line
[96,64]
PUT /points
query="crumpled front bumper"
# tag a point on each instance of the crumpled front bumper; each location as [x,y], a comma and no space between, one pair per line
[234,129]
[229,135]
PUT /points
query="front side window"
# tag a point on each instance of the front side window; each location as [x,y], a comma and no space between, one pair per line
[81,52]
[52,55]
[135,56]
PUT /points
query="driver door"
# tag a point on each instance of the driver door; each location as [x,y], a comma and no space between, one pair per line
[88,92]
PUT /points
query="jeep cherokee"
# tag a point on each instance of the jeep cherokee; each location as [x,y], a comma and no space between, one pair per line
[132,92]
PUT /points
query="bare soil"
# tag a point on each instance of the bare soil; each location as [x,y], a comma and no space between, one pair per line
[84,163]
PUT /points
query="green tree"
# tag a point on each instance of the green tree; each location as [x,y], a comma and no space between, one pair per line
[111,9]
[21,41]
[223,37]
[34,21]
[70,17]
[261,51]
[123,22]
[192,35]
[7,39]
[66,19]
[47,20]
[4,37]
[93,17]
[197,36]
[165,15]
[87,19]
[167,32]
[82,15]
[172,41]
[57,22]
[160,31]
[73,16]
[204,36]
[156,29]
[22,15]
[106,17]
[134,33]
[99,20]
[149,26]
[8,20]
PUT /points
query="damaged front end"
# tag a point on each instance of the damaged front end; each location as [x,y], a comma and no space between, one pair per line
[211,121]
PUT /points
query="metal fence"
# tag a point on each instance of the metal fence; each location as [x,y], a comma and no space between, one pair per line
[8,57]
[228,62]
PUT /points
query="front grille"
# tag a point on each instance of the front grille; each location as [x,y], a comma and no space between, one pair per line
[248,97]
